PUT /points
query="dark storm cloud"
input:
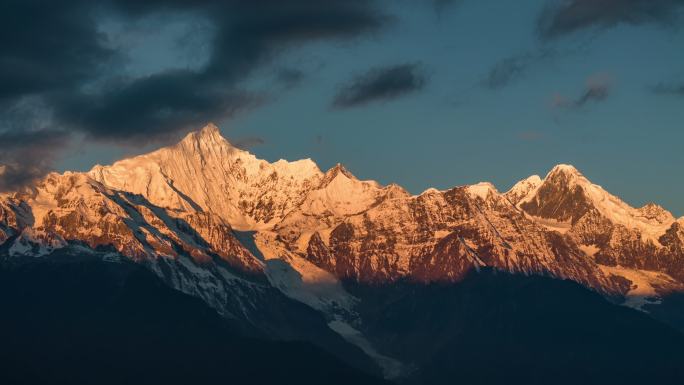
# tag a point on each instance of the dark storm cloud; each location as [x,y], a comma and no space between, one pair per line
[380,84]
[247,35]
[53,49]
[250,32]
[47,46]
[567,16]
[513,67]
[26,156]
[150,108]
[55,52]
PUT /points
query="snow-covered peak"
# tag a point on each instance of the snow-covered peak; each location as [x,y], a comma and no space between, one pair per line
[206,143]
[337,171]
[430,191]
[341,193]
[560,183]
[395,191]
[566,174]
[482,190]
[523,188]
[337,197]
[652,211]
[566,195]
[204,172]
[533,180]
[208,136]
[566,169]
[60,193]
[298,169]
[210,129]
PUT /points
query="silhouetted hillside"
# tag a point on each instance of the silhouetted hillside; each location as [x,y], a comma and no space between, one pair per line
[90,322]
[497,328]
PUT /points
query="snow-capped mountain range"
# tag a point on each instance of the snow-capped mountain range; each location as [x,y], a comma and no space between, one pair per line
[242,234]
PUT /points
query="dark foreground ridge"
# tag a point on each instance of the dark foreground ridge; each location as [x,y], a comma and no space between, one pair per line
[83,321]
[498,328]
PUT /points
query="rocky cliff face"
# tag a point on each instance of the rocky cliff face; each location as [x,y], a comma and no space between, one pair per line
[10,218]
[74,207]
[608,230]
[442,236]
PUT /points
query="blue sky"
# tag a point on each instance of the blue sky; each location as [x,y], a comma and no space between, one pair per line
[453,129]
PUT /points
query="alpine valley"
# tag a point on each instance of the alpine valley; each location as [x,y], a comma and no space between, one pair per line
[209,265]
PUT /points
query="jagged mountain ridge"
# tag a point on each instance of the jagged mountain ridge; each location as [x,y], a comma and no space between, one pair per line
[647,240]
[204,172]
[238,232]
[351,228]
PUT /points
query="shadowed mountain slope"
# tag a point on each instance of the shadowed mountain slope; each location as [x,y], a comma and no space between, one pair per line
[82,321]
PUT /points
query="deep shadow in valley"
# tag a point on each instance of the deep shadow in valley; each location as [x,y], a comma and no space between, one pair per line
[670,310]
[83,321]
[80,320]
[498,328]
